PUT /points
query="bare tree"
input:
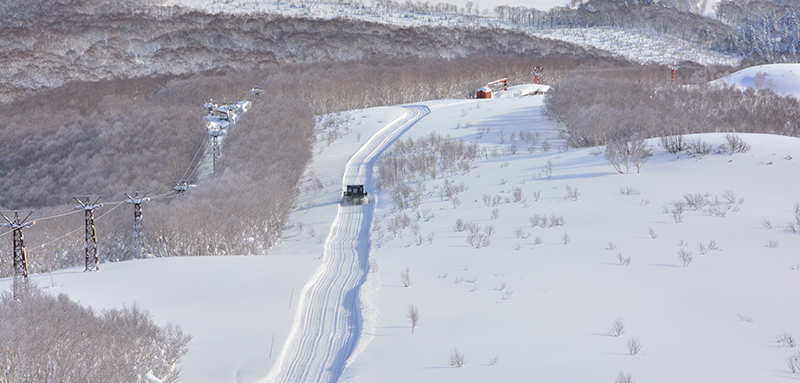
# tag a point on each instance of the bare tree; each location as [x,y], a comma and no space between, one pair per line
[413,315]
[405,277]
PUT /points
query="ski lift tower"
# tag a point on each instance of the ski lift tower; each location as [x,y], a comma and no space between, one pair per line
[20,255]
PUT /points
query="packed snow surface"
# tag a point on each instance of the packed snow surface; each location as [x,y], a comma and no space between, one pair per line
[782,78]
[537,303]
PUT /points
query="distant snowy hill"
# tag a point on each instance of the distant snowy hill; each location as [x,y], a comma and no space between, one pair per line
[538,4]
[635,45]
[783,78]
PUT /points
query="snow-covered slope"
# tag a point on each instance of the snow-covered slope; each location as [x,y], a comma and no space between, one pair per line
[783,78]
[536,303]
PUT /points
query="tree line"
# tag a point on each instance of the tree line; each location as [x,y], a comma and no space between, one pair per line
[600,110]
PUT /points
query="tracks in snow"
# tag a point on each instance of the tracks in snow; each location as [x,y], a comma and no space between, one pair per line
[329,321]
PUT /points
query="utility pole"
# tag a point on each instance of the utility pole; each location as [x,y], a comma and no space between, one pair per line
[215,149]
[181,186]
[91,232]
[20,255]
[537,73]
[137,202]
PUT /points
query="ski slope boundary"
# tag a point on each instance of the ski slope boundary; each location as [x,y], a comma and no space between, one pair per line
[330,322]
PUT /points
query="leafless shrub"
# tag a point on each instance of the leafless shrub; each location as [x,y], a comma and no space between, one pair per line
[623,261]
[634,346]
[766,224]
[618,328]
[736,144]
[495,213]
[459,225]
[487,200]
[611,246]
[698,146]
[395,227]
[520,233]
[376,226]
[405,277]
[731,198]
[745,319]
[566,239]
[494,361]
[496,199]
[716,210]
[412,313]
[517,195]
[772,244]
[557,220]
[713,246]
[537,195]
[794,363]
[695,201]
[418,240]
[673,144]
[538,240]
[627,190]
[622,153]
[624,378]
[489,230]
[703,249]
[475,238]
[456,358]
[373,265]
[429,238]
[794,227]
[786,340]
[548,167]
[546,146]
[685,257]
[676,212]
[653,234]
[572,193]
[456,202]
[539,221]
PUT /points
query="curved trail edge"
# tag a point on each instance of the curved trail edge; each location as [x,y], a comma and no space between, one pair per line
[329,323]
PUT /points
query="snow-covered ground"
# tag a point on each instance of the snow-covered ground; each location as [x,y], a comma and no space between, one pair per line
[783,78]
[536,303]
[638,46]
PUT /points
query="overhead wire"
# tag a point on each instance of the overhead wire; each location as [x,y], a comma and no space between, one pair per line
[117,204]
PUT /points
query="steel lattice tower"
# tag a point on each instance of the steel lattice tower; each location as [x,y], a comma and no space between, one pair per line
[20,263]
[91,233]
[138,225]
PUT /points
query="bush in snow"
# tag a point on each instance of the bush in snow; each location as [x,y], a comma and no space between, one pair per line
[413,315]
[405,277]
[634,346]
[54,339]
[736,144]
[456,358]
[618,328]
[786,340]
[624,378]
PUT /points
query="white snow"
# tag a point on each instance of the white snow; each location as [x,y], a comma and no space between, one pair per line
[519,311]
[783,78]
